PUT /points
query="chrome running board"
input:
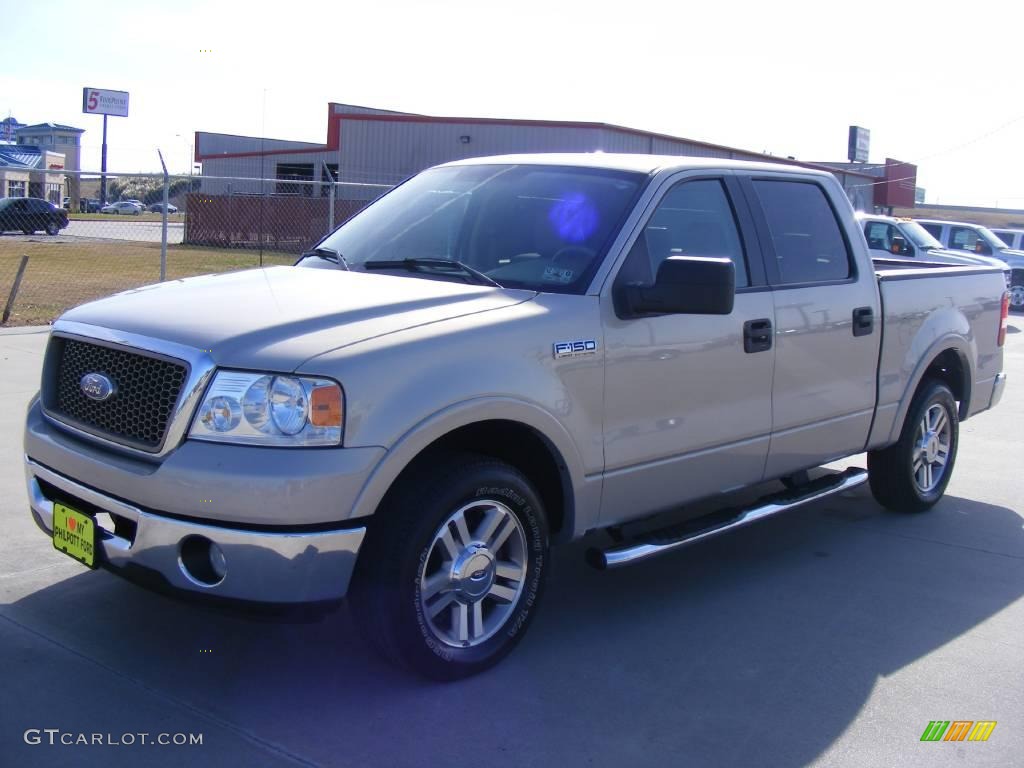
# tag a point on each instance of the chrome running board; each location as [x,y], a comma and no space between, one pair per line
[663,540]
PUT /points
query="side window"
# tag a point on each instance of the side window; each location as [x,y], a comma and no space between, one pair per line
[963,239]
[1007,237]
[935,230]
[879,235]
[695,218]
[809,245]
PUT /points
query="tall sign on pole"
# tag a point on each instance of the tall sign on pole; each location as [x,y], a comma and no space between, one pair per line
[858,144]
[98,101]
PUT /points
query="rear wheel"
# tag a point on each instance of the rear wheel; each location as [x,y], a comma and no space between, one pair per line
[912,474]
[452,568]
[28,231]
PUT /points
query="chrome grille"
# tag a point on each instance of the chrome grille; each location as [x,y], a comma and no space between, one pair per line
[146,390]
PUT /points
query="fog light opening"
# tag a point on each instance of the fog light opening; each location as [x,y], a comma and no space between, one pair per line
[201,561]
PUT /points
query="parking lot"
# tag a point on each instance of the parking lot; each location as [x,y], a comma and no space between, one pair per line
[830,636]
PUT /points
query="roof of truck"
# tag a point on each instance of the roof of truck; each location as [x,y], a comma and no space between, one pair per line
[634,162]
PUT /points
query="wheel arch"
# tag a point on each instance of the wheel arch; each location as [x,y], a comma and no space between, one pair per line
[948,360]
[519,433]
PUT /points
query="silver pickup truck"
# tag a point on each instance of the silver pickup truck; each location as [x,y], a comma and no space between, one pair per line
[496,355]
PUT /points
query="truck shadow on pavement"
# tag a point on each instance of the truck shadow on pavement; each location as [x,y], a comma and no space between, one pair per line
[759,647]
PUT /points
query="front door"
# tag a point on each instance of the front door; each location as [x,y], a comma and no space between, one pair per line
[687,401]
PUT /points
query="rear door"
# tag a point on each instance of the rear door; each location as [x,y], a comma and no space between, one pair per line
[827,325]
[687,400]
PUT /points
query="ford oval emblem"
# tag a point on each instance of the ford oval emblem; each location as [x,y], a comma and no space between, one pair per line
[96,386]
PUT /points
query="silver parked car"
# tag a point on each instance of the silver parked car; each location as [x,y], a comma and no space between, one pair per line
[123,207]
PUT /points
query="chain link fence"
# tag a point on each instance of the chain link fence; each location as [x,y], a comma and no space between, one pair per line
[53,258]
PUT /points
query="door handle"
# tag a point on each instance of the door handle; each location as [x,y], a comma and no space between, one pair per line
[757,335]
[863,321]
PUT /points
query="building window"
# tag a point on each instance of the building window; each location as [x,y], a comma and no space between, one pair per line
[302,172]
[15,188]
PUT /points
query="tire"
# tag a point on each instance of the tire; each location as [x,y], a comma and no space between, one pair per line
[895,483]
[419,580]
[27,231]
[53,229]
[1017,292]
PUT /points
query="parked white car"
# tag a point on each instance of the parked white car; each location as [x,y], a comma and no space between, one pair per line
[122,208]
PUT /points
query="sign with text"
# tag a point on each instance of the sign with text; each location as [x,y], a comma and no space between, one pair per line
[859,144]
[98,101]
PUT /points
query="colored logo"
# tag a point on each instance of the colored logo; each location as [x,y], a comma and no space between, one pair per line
[958,730]
[96,386]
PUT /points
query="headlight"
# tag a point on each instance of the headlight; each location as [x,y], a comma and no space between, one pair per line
[267,409]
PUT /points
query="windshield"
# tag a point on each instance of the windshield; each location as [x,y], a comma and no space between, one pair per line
[918,235]
[544,228]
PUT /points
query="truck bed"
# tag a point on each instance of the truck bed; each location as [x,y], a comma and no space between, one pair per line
[926,308]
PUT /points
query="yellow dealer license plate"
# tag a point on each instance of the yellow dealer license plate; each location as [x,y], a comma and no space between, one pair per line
[74,534]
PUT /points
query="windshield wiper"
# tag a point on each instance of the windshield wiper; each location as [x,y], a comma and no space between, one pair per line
[327,254]
[415,265]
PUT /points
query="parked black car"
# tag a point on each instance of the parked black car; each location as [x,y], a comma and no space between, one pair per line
[30,214]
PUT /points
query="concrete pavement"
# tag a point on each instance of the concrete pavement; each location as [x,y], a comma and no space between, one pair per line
[828,637]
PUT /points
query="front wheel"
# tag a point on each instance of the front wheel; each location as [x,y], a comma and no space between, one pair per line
[1017,296]
[912,474]
[53,229]
[453,567]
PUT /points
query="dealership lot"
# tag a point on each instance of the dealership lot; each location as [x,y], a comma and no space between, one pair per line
[830,636]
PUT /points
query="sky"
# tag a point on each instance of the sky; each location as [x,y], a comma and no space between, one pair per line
[936,83]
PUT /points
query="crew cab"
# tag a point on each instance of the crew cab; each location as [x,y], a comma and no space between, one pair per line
[974,238]
[499,355]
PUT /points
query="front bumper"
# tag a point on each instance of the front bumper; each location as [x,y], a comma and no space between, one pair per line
[258,566]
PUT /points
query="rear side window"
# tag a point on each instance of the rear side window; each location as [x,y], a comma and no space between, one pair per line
[809,245]
[1010,238]
[935,230]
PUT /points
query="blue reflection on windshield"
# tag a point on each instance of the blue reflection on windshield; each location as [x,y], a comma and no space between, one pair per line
[574,217]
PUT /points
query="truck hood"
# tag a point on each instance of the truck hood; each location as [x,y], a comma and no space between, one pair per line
[276,318]
[968,258]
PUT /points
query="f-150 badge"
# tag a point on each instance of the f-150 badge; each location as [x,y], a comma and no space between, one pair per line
[575,348]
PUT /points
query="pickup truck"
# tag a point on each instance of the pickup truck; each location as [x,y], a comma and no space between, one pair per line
[903,239]
[498,355]
[974,238]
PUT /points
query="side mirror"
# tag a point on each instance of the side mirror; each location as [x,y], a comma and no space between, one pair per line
[685,285]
